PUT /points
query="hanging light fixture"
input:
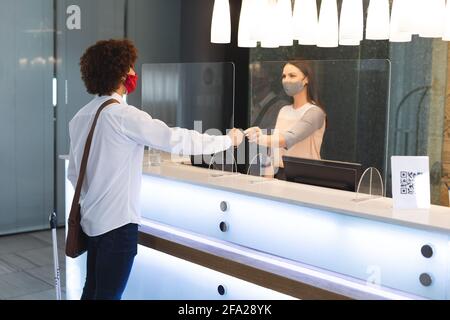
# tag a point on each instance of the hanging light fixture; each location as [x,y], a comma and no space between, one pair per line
[411,17]
[395,34]
[360,19]
[446,35]
[221,22]
[305,22]
[328,34]
[258,23]
[377,23]
[433,19]
[351,23]
[273,23]
[270,24]
[245,37]
[284,14]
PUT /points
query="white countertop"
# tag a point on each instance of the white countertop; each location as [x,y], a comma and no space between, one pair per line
[437,218]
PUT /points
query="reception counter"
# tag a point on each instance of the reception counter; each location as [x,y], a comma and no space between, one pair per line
[208,234]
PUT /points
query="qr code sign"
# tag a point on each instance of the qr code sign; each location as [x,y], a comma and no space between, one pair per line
[407,181]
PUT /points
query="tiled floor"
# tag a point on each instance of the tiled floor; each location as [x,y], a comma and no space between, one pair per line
[27,268]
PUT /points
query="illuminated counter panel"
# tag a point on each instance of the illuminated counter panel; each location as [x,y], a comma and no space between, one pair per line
[437,218]
[375,245]
[278,240]
[157,274]
[283,275]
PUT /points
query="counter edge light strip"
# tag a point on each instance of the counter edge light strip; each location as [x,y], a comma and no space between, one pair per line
[154,228]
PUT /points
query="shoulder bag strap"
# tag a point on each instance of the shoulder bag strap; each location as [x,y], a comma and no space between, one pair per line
[87,147]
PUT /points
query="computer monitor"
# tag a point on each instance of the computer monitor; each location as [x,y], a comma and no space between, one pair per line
[323,173]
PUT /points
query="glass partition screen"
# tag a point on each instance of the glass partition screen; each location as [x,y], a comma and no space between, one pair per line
[354,94]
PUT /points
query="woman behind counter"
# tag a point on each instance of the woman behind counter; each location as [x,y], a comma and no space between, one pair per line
[300,126]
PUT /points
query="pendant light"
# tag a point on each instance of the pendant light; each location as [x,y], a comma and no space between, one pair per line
[221,22]
[377,23]
[395,34]
[245,38]
[305,22]
[351,23]
[328,34]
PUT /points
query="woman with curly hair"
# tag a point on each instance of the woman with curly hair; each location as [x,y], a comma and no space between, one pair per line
[109,198]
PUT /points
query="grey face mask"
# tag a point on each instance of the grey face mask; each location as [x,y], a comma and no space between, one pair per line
[293,88]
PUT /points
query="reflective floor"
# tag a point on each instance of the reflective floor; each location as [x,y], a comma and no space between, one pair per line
[27,268]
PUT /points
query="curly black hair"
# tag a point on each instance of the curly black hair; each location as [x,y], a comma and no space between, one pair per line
[105,64]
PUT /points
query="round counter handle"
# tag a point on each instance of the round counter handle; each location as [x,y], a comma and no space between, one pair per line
[223,206]
[427,251]
[223,226]
[221,289]
[425,279]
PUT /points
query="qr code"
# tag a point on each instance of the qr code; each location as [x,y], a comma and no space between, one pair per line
[407,181]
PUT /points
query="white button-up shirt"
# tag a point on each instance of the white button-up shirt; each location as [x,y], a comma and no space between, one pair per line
[111,188]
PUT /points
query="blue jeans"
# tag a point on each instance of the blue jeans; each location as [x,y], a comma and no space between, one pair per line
[110,257]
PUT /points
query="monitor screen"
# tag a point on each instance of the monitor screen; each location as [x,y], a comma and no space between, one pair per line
[323,173]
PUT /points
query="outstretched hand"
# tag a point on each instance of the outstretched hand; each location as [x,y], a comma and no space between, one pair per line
[256,135]
[236,136]
[253,134]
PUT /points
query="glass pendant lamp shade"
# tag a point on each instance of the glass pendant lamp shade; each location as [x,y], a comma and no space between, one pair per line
[432,19]
[246,25]
[411,17]
[328,29]
[351,23]
[305,22]
[270,24]
[446,34]
[221,22]
[284,14]
[399,7]
[377,23]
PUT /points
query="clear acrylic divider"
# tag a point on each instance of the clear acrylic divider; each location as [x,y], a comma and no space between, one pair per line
[353,93]
[370,185]
[195,96]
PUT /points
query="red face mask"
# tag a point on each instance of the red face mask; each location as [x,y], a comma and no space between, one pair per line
[131,83]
